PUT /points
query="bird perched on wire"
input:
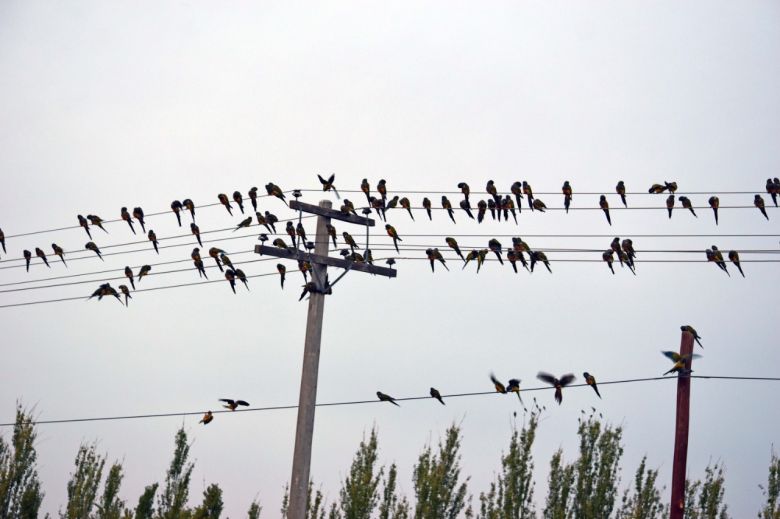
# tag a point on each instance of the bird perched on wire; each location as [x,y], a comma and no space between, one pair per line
[628,248]
[465,189]
[772,189]
[714,202]
[490,188]
[495,246]
[433,256]
[129,275]
[189,205]
[470,256]
[223,199]
[176,207]
[233,404]
[138,214]
[253,198]
[451,243]
[27,257]
[466,206]
[513,257]
[126,217]
[2,240]
[508,205]
[394,235]
[195,254]
[145,269]
[500,387]
[327,184]
[529,193]
[126,292]
[426,203]
[261,220]
[718,258]
[94,248]
[671,186]
[366,188]
[274,190]
[271,219]
[435,394]
[656,189]
[300,232]
[711,257]
[39,252]
[608,258]
[349,240]
[679,362]
[378,205]
[758,201]
[558,383]
[406,204]
[83,223]
[305,267]
[481,256]
[106,290]
[539,256]
[230,275]
[567,192]
[226,261]
[670,204]
[620,189]
[246,222]
[591,381]
[386,398]
[446,204]
[615,247]
[734,257]
[481,209]
[201,268]
[214,252]
[196,231]
[686,203]
[282,270]
[688,328]
[538,205]
[239,200]
[513,386]
[381,188]
[605,207]
[517,190]
[332,233]
[96,221]
[347,207]
[59,252]
[153,238]
[207,418]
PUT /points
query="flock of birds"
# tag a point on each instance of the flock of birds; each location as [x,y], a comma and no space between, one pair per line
[513,384]
[497,204]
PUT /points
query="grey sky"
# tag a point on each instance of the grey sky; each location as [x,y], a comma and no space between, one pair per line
[137,103]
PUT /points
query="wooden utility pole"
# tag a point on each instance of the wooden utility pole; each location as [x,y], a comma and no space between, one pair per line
[320,261]
[677,506]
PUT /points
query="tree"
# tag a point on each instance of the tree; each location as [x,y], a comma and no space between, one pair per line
[511,496]
[358,493]
[704,499]
[110,506]
[84,482]
[435,479]
[392,507]
[560,488]
[212,504]
[145,507]
[315,503]
[771,509]
[173,500]
[645,500]
[254,510]
[20,488]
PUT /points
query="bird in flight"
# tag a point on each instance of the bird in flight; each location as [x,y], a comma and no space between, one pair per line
[558,383]
[233,404]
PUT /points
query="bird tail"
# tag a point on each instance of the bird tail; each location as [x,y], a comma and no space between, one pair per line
[740,270]
[623,199]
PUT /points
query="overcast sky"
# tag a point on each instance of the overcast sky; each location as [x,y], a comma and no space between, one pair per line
[111,104]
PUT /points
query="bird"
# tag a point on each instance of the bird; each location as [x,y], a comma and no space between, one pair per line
[445,203]
[591,381]
[195,254]
[714,202]
[679,362]
[500,388]
[529,193]
[688,328]
[230,275]
[278,242]
[671,186]
[435,394]
[246,222]
[508,204]
[378,204]
[605,207]
[394,235]
[772,189]
[2,240]
[223,199]
[718,259]
[758,201]
[433,256]
[233,404]
[129,275]
[27,257]
[426,203]
[466,206]
[226,261]
[656,189]
[349,240]
[59,252]
[512,256]
[327,185]
[558,383]
[537,256]
[607,256]
[145,269]
[196,231]
[513,386]
[386,398]
[239,200]
[615,247]
[481,256]
[686,203]
[470,256]
[274,190]
[670,204]
[271,219]
[190,206]
[300,232]
[39,252]
[304,267]
[331,232]
[207,418]
[566,195]
[451,243]
[626,259]
[481,209]
[348,207]
[734,257]
[96,221]
[491,205]
[490,188]
[406,204]
[366,188]
[138,214]
[309,287]
[381,188]
[83,223]
[517,190]
[495,246]
[620,189]
[538,205]
[126,217]
[214,252]
[176,207]
[261,220]
[282,270]
[628,247]
[253,198]
[465,189]
[94,248]
[201,268]
[106,290]
[153,238]
[126,292]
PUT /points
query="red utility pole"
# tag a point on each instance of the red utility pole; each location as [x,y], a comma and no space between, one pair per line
[677,506]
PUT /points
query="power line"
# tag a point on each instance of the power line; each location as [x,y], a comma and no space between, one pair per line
[610,191]
[375,401]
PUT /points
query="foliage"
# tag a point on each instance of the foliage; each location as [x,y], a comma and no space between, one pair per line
[645,500]
[171,503]
[254,510]
[435,478]
[392,507]
[145,507]
[704,499]
[20,488]
[212,505]
[359,497]
[771,509]
[84,483]
[110,506]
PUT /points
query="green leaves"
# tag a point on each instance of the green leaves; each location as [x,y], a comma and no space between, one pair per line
[20,488]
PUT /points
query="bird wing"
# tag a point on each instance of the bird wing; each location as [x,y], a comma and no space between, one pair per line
[546,377]
[227,401]
[672,355]
[242,402]
[567,379]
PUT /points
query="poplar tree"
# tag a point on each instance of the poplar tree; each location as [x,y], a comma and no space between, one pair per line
[20,489]
[435,478]
[771,492]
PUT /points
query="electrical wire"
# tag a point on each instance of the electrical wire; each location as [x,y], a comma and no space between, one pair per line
[376,401]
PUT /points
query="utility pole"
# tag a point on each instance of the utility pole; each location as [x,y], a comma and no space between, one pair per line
[677,506]
[320,261]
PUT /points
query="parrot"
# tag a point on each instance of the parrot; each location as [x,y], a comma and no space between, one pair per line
[714,202]
[126,217]
[558,383]
[94,248]
[686,203]
[394,235]
[427,206]
[567,192]
[591,381]
[176,208]
[605,207]
[454,246]
[129,275]
[734,257]
[233,404]
[386,398]
[435,394]
[282,271]
[327,184]
[621,190]
[688,328]
[96,221]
